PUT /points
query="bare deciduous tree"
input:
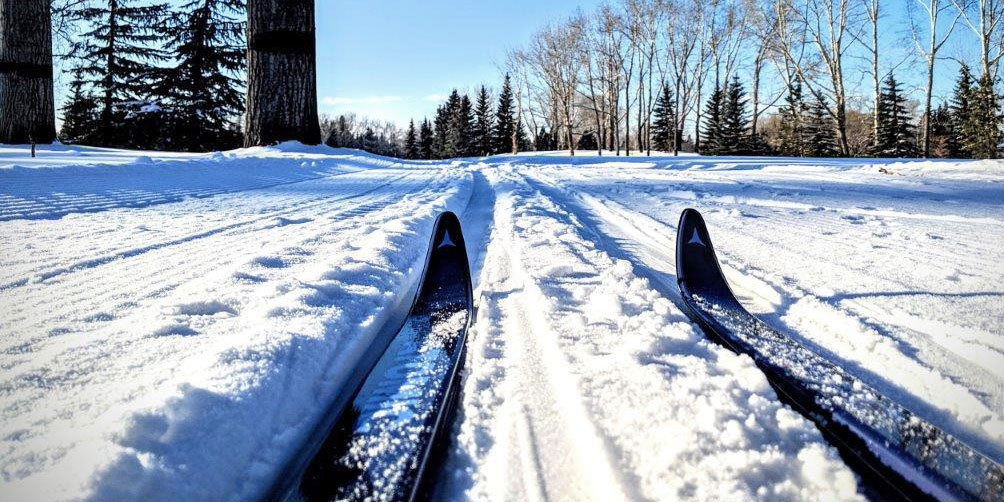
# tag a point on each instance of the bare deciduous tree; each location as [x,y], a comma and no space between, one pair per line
[829,25]
[983,17]
[933,10]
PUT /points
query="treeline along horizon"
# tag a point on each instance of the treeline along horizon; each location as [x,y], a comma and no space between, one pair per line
[721,77]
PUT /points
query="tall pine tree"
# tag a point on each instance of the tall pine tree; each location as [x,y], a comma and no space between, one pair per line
[483,123]
[119,53]
[523,142]
[458,141]
[711,135]
[819,132]
[664,125]
[425,140]
[941,126]
[411,142]
[960,110]
[441,128]
[983,140]
[505,121]
[792,134]
[895,136]
[203,90]
[733,137]
[79,113]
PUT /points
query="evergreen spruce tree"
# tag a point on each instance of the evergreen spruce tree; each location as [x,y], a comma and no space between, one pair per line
[504,119]
[896,135]
[983,139]
[411,142]
[79,112]
[425,140]
[587,141]
[960,109]
[483,124]
[941,127]
[203,91]
[733,137]
[664,125]
[119,53]
[711,135]
[459,139]
[441,124]
[819,132]
[370,142]
[792,134]
[540,140]
[522,141]
[545,141]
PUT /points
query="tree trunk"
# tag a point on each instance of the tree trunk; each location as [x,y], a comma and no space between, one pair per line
[927,106]
[677,121]
[27,112]
[757,67]
[282,73]
[873,13]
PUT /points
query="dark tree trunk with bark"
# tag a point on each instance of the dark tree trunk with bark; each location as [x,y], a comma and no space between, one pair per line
[282,73]
[26,102]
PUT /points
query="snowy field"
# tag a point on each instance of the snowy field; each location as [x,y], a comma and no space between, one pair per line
[172,325]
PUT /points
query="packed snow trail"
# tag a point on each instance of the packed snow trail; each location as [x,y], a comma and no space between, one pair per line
[585,384]
[174,324]
[867,293]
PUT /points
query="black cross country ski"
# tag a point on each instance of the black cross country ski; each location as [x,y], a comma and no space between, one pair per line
[898,455]
[386,432]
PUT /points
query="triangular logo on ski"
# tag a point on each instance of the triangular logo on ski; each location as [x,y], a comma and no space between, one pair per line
[446,240]
[695,239]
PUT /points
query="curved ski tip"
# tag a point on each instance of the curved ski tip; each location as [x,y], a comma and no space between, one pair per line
[448,233]
[692,217]
[692,230]
[697,267]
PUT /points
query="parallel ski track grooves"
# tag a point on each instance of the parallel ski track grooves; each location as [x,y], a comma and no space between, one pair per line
[101,260]
[962,378]
[851,453]
[667,231]
[534,413]
[144,269]
[137,198]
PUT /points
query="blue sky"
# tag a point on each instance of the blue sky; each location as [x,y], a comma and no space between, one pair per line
[396,59]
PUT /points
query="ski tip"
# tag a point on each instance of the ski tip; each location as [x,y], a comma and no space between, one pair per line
[448,233]
[448,251]
[691,235]
[697,268]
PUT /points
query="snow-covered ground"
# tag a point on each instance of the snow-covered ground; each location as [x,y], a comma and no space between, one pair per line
[172,325]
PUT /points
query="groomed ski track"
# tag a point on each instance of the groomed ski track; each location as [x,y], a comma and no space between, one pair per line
[778,268]
[181,343]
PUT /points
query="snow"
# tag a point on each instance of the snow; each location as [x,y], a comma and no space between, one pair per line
[172,325]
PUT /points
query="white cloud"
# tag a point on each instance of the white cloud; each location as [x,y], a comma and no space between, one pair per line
[434,97]
[366,100]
